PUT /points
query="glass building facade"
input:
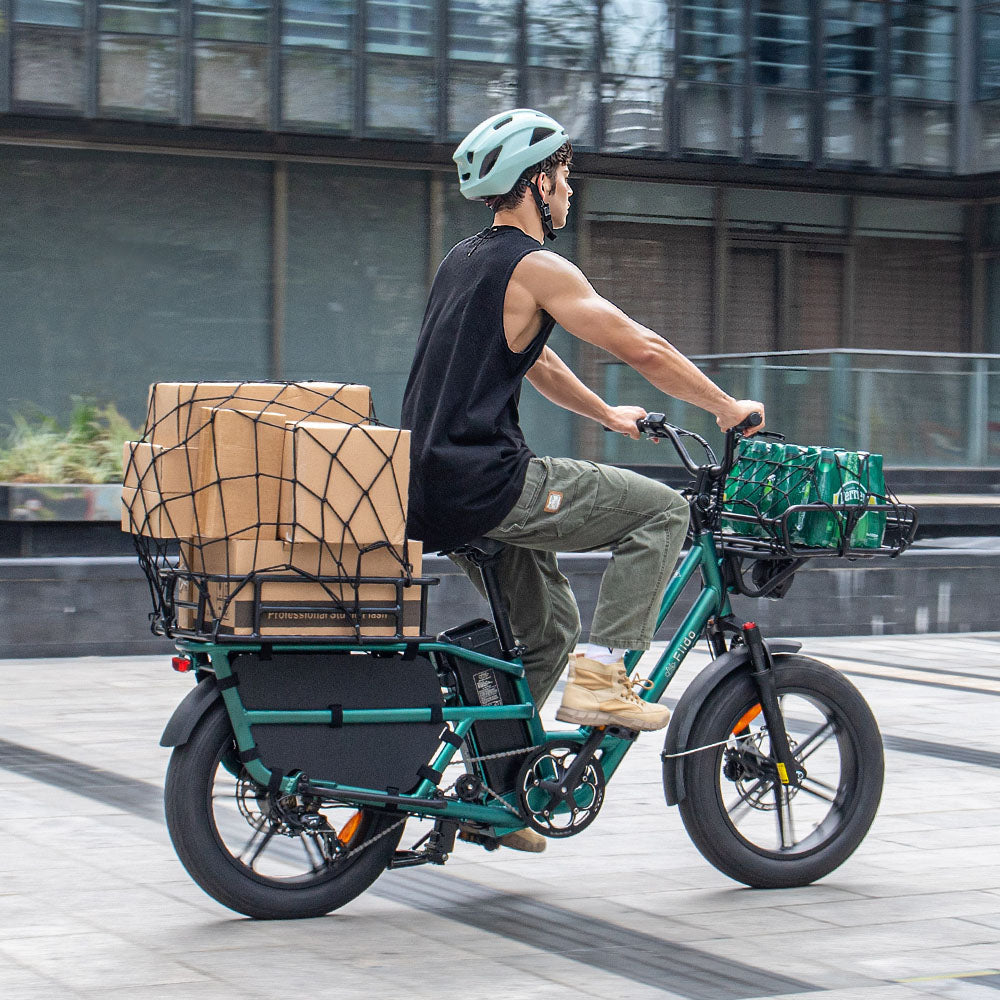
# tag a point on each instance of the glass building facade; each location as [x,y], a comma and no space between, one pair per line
[263,188]
[871,84]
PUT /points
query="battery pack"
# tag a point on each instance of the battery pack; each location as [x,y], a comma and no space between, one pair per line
[481,685]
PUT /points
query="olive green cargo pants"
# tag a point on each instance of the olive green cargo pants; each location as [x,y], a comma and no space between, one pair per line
[573,506]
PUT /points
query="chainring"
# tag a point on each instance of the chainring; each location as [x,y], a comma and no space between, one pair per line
[548,805]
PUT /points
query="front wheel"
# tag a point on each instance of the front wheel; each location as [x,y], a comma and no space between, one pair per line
[742,819]
[269,856]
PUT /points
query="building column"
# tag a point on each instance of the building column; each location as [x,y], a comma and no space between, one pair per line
[279,264]
[720,272]
[848,293]
[975,267]
[435,225]
[588,440]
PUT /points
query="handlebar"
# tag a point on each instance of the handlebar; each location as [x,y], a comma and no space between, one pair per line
[655,425]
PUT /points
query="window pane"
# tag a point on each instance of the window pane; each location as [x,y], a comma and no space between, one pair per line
[988,116]
[569,97]
[480,29]
[329,23]
[781,43]
[400,27]
[851,31]
[921,135]
[633,114]
[781,124]
[230,83]
[711,40]
[851,130]
[231,20]
[401,95]
[61,13]
[710,119]
[989,53]
[138,74]
[638,38]
[561,33]
[145,17]
[318,88]
[48,67]
[922,51]
[176,283]
[476,91]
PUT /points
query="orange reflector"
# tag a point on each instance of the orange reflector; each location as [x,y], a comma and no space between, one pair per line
[350,828]
[744,724]
[181,664]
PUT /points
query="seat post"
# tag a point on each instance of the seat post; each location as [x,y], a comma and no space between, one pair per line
[488,568]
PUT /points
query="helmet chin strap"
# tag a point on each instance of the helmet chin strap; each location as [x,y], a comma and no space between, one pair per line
[546,214]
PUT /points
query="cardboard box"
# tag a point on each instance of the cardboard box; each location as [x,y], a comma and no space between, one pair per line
[158,515]
[173,415]
[239,474]
[161,470]
[344,484]
[301,606]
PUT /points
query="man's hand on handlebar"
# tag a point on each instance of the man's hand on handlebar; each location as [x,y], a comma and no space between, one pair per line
[622,420]
[738,412]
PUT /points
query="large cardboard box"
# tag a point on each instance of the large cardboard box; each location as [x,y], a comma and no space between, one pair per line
[239,474]
[162,470]
[344,484]
[174,409]
[301,606]
[158,515]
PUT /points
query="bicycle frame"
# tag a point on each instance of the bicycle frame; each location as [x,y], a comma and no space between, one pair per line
[712,601]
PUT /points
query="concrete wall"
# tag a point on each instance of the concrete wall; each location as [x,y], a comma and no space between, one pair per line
[100,605]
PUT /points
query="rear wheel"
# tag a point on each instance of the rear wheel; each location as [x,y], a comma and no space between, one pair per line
[268,856]
[737,812]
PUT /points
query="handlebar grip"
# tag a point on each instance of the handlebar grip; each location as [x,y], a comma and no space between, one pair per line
[751,420]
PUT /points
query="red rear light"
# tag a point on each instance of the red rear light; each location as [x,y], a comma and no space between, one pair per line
[181,664]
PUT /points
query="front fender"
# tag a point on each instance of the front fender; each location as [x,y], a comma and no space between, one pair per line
[690,703]
[186,715]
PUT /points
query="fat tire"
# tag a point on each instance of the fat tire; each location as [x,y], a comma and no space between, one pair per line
[187,804]
[703,811]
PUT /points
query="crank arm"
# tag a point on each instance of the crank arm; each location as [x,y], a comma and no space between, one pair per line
[790,771]
[566,786]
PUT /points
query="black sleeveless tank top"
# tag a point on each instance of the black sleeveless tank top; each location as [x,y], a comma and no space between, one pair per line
[468,457]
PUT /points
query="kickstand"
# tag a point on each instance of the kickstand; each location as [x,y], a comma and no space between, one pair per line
[440,842]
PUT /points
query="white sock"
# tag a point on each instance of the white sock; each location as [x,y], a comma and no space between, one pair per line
[602,654]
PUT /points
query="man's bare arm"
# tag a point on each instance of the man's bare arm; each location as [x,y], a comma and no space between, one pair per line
[561,289]
[554,379]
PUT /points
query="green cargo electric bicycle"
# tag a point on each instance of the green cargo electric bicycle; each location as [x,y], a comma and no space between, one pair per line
[296,763]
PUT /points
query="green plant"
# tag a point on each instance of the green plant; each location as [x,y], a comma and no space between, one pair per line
[37,448]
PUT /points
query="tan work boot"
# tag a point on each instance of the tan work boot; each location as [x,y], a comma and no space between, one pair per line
[525,839]
[601,694]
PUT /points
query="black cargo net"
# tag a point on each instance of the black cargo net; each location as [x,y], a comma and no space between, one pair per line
[784,499]
[273,510]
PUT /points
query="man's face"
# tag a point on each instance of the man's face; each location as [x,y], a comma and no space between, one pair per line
[557,193]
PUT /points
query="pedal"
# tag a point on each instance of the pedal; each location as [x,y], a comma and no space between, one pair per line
[483,840]
[440,843]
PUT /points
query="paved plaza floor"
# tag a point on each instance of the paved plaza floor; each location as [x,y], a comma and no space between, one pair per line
[93,902]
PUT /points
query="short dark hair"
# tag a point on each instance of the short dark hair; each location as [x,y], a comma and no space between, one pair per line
[548,166]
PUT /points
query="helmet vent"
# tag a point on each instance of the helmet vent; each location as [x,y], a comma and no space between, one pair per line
[469,155]
[539,134]
[465,177]
[488,163]
[505,121]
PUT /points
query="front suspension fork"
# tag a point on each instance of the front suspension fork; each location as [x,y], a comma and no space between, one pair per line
[790,771]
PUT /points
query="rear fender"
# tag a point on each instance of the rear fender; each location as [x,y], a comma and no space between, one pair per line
[682,720]
[197,702]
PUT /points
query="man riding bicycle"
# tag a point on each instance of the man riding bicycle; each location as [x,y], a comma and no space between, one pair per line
[494,301]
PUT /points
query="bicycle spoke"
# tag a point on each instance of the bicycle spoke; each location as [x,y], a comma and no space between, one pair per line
[306,839]
[253,839]
[820,792]
[822,734]
[783,817]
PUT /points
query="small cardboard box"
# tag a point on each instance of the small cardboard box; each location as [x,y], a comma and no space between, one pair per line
[239,474]
[158,515]
[344,484]
[161,470]
[300,606]
[174,417]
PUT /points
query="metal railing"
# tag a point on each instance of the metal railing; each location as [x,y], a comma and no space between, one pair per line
[916,408]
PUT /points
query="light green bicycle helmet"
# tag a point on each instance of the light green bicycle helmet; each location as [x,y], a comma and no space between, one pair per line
[494,154]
